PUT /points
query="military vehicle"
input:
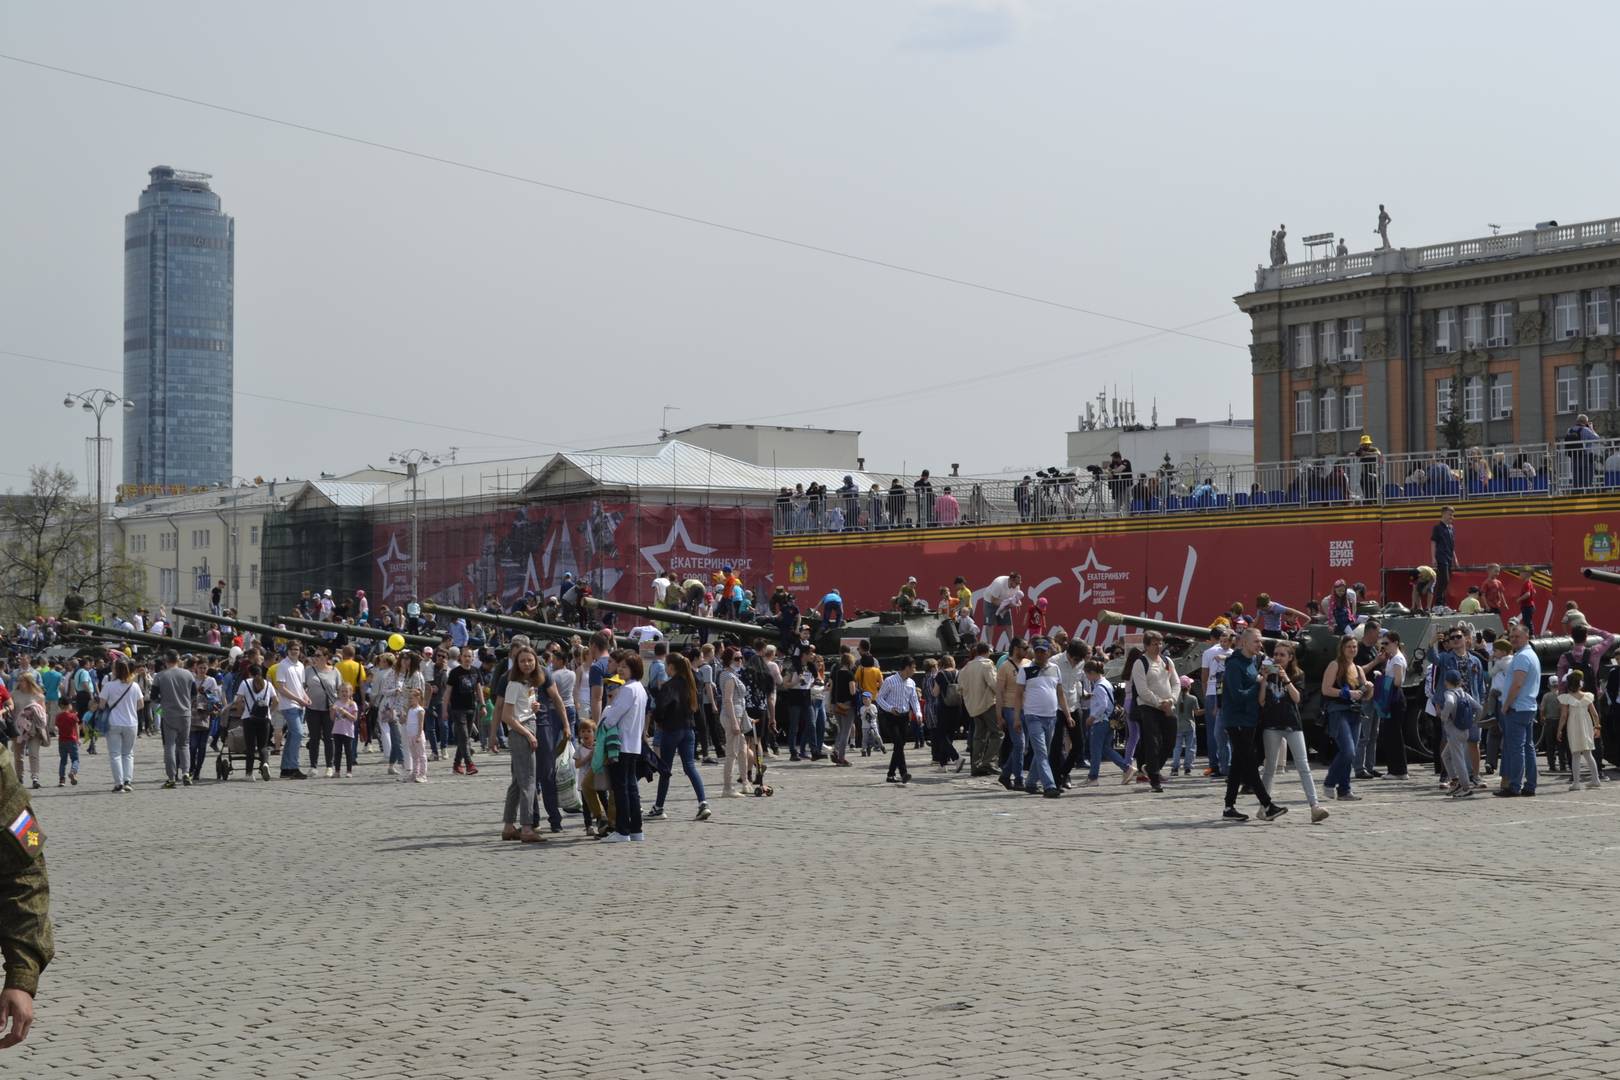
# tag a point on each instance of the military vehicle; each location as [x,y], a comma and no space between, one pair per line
[1607,576]
[264,631]
[530,627]
[375,633]
[891,634]
[137,637]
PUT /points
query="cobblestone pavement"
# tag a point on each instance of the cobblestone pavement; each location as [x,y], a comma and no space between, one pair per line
[845,928]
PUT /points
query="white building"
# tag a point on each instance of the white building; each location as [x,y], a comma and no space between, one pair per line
[1216,443]
[784,447]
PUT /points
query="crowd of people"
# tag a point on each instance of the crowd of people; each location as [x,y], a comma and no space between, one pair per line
[584,723]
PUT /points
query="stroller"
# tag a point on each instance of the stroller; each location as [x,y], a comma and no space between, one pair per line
[232,744]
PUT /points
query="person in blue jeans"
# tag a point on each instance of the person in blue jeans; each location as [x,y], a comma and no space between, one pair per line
[1344,688]
[675,711]
[1212,668]
[1099,726]
[1519,718]
[1041,702]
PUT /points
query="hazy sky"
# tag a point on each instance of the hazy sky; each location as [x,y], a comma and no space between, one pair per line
[1125,158]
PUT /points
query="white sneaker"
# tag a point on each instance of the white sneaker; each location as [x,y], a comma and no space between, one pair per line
[704,813]
[615,838]
[393,770]
[418,779]
[638,837]
[328,773]
[1130,775]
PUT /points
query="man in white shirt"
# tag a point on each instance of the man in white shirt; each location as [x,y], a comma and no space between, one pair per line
[994,593]
[1212,671]
[1041,701]
[660,589]
[1155,686]
[644,633]
[293,702]
[898,706]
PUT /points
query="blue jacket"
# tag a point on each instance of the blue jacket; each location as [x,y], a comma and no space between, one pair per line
[1240,701]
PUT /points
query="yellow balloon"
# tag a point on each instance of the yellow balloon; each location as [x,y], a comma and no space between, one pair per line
[396,643]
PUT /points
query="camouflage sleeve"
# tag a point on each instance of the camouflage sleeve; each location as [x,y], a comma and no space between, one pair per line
[26,939]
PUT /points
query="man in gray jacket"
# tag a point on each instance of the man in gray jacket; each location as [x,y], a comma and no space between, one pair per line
[174,687]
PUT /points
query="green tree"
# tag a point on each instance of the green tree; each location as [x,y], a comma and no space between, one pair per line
[1454,429]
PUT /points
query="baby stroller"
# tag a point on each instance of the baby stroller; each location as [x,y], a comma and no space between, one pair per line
[232,744]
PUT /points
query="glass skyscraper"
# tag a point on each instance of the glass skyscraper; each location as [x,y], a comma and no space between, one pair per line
[179,302]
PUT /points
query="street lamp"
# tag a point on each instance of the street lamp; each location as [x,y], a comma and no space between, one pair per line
[412,459]
[97,401]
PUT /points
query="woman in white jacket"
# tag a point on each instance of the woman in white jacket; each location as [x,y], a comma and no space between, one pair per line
[734,718]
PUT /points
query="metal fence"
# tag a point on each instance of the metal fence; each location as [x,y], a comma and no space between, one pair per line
[1550,470]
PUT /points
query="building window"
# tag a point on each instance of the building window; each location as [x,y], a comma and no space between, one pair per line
[1352,409]
[1567,389]
[1474,399]
[1445,330]
[1597,314]
[1502,397]
[253,575]
[1352,339]
[201,538]
[1597,388]
[1303,412]
[1327,340]
[1501,324]
[1473,326]
[1442,401]
[253,534]
[1329,411]
[1302,346]
[1567,315]
[169,585]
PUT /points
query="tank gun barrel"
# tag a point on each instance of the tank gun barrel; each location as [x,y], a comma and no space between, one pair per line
[1187,631]
[139,637]
[652,614]
[1608,576]
[415,641]
[262,629]
[514,622]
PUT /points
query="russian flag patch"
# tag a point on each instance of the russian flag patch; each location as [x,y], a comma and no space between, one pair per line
[24,823]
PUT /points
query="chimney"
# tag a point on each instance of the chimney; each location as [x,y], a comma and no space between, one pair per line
[955,469]
[860,464]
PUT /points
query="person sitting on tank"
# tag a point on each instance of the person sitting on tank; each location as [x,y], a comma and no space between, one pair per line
[832,610]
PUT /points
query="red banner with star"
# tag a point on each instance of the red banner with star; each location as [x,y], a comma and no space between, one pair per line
[619,547]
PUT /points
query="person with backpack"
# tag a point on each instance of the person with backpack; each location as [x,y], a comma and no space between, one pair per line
[255,699]
[1459,714]
[947,694]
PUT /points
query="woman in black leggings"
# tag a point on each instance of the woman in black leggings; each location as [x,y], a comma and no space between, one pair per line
[255,699]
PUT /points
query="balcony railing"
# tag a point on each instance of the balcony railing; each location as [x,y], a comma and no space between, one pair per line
[1436,256]
[1544,470]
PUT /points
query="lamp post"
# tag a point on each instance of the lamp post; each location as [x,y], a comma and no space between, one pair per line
[412,459]
[97,401]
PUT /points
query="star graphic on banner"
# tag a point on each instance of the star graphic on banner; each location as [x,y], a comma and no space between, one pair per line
[392,555]
[676,532]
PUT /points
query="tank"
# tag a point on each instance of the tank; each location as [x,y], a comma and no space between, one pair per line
[514,622]
[892,634]
[261,629]
[734,628]
[1607,576]
[153,641]
[376,633]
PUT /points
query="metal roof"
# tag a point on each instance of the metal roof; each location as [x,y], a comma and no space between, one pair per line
[678,466]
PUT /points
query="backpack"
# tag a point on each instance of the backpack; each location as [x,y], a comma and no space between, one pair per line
[952,693]
[260,705]
[1462,716]
[756,682]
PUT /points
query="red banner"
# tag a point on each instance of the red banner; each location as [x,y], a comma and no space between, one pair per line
[1190,574]
[618,547]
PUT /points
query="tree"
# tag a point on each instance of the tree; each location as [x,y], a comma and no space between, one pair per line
[45,533]
[1454,429]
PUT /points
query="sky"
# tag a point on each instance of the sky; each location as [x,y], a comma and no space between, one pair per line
[1128,160]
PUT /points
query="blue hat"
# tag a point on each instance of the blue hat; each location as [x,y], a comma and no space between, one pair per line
[866,695]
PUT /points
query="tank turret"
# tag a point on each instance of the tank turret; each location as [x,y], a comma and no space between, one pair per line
[264,630]
[376,633]
[138,637]
[518,623]
[745,631]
